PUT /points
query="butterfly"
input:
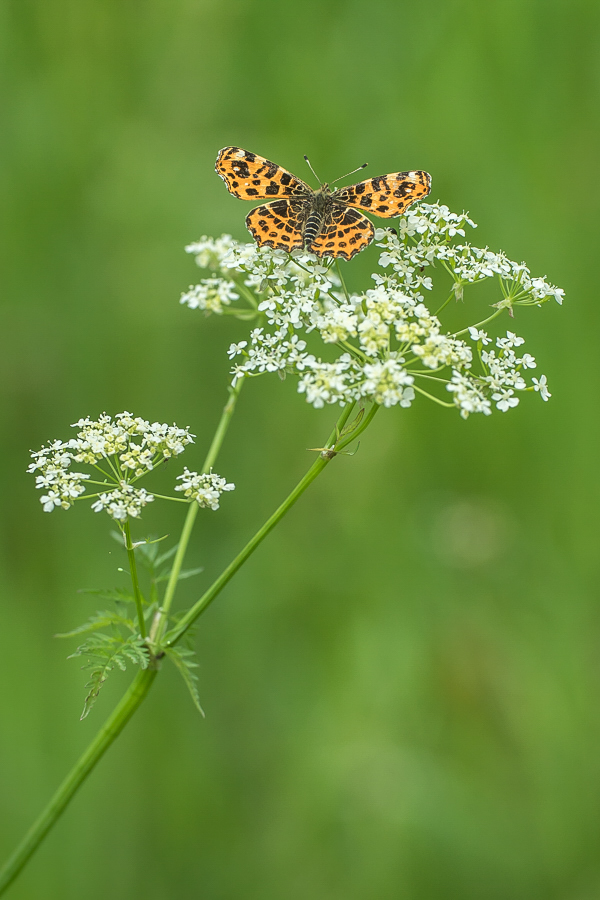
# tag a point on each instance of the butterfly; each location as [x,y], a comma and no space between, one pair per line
[324,222]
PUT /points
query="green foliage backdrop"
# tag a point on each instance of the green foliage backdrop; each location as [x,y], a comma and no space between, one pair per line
[402,688]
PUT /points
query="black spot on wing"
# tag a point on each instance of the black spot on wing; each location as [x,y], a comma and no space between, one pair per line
[241,169]
[269,169]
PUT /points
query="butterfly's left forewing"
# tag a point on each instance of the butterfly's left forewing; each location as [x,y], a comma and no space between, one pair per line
[252,177]
[387,195]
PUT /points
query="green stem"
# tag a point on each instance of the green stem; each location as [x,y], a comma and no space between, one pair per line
[134,578]
[446,302]
[419,375]
[160,619]
[173,636]
[435,399]
[479,324]
[107,734]
[341,277]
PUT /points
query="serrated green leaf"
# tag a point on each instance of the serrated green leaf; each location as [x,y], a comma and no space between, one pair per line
[100,620]
[183,660]
[96,644]
[104,653]
[118,595]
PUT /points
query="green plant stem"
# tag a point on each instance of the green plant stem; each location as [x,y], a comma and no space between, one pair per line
[479,324]
[107,734]
[173,636]
[160,618]
[134,578]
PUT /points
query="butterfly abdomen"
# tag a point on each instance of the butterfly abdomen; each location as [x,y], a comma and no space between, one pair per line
[319,207]
[314,223]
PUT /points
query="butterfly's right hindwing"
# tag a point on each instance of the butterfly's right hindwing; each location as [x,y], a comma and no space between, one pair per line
[345,232]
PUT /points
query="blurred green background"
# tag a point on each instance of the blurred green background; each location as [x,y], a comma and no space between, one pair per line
[402,687]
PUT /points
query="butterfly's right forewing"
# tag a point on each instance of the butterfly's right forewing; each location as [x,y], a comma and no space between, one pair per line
[387,195]
[252,177]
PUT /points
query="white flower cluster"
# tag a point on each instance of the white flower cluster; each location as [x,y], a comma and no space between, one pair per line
[212,295]
[121,450]
[206,489]
[123,502]
[137,444]
[390,343]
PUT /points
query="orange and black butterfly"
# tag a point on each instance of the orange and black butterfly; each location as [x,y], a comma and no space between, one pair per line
[322,221]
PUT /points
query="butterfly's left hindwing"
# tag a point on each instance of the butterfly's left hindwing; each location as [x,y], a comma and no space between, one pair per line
[252,177]
[278,225]
[387,195]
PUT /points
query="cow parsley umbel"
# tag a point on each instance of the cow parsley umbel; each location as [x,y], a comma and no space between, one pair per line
[384,345]
[120,451]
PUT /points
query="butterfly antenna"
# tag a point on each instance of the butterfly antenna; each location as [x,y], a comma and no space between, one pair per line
[364,166]
[312,170]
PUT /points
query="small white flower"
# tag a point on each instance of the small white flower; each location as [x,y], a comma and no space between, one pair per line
[477,335]
[236,349]
[528,361]
[511,340]
[505,400]
[542,387]
[51,500]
